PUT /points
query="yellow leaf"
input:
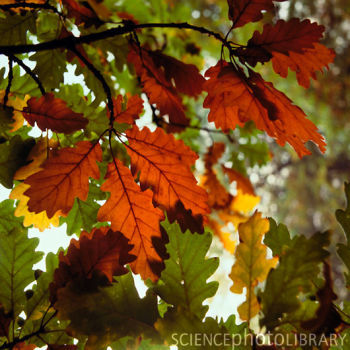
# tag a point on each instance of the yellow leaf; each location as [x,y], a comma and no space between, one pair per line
[244,202]
[40,220]
[18,104]
[36,157]
[251,266]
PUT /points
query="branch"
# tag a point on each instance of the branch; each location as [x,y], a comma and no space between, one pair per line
[100,77]
[10,78]
[128,27]
[29,72]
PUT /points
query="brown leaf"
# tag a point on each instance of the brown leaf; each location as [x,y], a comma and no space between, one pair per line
[93,260]
[52,113]
[132,111]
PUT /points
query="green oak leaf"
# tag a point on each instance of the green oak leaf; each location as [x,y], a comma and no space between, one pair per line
[83,215]
[8,220]
[298,266]
[14,28]
[17,257]
[13,155]
[109,314]
[277,238]
[50,67]
[183,281]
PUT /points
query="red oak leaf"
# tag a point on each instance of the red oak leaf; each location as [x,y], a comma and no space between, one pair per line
[234,99]
[242,12]
[305,64]
[134,107]
[186,77]
[282,37]
[52,113]
[131,212]
[92,260]
[64,177]
[157,71]
[164,166]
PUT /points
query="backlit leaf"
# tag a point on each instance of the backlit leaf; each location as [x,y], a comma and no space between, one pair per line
[163,163]
[17,257]
[66,177]
[251,266]
[131,212]
[92,260]
[244,11]
[234,99]
[52,113]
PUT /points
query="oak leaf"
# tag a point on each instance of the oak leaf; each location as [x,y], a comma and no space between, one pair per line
[242,12]
[131,212]
[242,182]
[251,266]
[132,110]
[234,98]
[64,177]
[218,196]
[158,86]
[164,166]
[305,64]
[92,260]
[52,113]
[36,158]
[82,14]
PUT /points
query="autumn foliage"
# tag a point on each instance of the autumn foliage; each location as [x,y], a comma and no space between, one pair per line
[121,162]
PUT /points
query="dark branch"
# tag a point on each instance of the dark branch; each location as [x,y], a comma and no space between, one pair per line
[100,77]
[29,72]
[10,78]
[129,27]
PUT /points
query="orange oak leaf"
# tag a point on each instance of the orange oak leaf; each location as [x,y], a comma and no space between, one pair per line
[242,12]
[159,90]
[234,98]
[36,158]
[52,113]
[64,177]
[92,260]
[242,182]
[218,196]
[305,64]
[164,166]
[132,111]
[131,212]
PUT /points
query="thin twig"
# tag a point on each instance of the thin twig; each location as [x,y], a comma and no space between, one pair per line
[102,80]
[10,78]
[29,72]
